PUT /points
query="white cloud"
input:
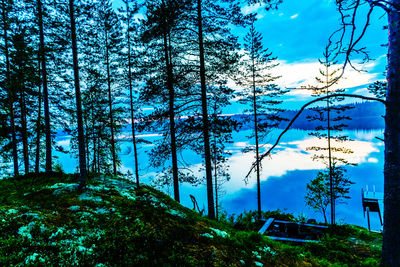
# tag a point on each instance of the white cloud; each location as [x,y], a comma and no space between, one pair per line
[373,160]
[292,158]
[298,74]
[294,16]
[248,9]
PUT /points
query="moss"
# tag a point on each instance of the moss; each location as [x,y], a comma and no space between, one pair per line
[143,227]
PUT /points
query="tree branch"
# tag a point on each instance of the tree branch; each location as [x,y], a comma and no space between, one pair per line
[299,113]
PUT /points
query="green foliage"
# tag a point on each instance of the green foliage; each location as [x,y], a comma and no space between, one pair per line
[45,220]
[378,89]
[318,189]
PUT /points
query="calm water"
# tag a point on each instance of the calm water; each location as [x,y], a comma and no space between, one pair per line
[284,175]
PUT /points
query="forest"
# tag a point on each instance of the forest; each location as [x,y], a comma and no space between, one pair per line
[106,74]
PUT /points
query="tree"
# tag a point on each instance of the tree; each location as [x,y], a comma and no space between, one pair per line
[81,137]
[42,53]
[160,29]
[318,192]
[349,21]
[131,8]
[23,82]
[221,128]
[110,35]
[378,89]
[260,93]
[6,19]
[216,54]
[332,119]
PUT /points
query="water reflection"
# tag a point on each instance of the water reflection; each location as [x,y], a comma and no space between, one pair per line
[284,175]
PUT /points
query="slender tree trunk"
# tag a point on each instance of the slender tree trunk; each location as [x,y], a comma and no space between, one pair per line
[391,229]
[81,135]
[329,147]
[206,133]
[45,90]
[94,139]
[216,178]
[24,132]
[87,139]
[114,157]
[171,91]
[10,95]
[14,138]
[38,127]
[256,136]
[131,97]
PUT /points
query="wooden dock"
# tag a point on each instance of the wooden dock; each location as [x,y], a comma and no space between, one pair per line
[292,231]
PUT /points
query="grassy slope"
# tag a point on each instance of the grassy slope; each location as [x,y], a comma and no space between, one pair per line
[43,220]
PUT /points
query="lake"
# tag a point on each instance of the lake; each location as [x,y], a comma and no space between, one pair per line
[283,178]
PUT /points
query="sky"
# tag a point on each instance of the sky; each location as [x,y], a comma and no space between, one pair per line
[297,34]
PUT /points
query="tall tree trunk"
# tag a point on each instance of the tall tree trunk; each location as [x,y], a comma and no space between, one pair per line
[391,229]
[10,95]
[87,139]
[171,91]
[24,132]
[45,90]
[81,136]
[329,145]
[114,157]
[38,127]
[216,177]
[14,138]
[256,133]
[206,133]
[131,96]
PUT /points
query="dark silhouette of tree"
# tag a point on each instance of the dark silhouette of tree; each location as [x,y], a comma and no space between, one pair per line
[221,128]
[332,120]
[23,82]
[318,192]
[110,34]
[216,54]
[128,12]
[42,52]
[79,114]
[260,93]
[378,89]
[160,30]
[6,19]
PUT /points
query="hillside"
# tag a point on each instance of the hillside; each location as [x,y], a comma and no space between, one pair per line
[45,220]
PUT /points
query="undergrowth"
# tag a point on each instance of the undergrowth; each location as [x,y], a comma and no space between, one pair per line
[45,220]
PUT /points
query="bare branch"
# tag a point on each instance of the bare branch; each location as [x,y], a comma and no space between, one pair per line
[299,113]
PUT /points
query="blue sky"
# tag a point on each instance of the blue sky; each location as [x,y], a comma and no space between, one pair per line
[297,34]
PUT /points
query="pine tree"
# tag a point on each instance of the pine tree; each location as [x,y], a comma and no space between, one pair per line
[336,123]
[215,49]
[110,32]
[10,98]
[42,53]
[79,114]
[318,193]
[162,28]
[221,128]
[23,82]
[260,93]
[131,8]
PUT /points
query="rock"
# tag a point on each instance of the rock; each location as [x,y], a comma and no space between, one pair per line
[65,188]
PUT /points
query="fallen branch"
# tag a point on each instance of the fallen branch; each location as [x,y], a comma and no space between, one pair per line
[299,113]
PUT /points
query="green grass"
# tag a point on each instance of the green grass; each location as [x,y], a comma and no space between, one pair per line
[115,224]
